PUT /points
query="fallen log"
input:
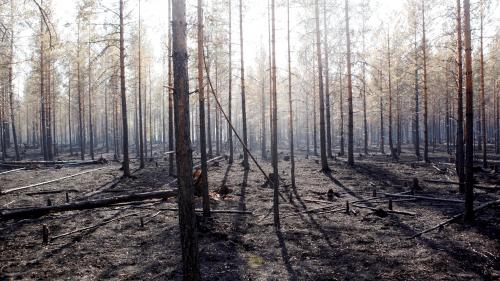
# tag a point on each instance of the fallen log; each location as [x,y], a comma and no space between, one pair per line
[13,170]
[454,218]
[56,162]
[3,192]
[36,212]
[213,211]
[50,192]
[424,198]
[457,183]
[387,211]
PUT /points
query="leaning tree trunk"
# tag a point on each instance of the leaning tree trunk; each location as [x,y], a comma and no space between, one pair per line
[469,118]
[126,168]
[187,219]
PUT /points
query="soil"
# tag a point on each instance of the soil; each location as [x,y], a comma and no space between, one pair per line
[316,245]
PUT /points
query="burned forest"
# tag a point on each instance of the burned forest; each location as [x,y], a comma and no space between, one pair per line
[249,140]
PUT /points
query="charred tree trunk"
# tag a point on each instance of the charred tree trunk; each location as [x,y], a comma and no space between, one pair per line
[245,163]
[187,219]
[11,87]
[417,111]
[481,85]
[80,99]
[341,105]
[201,102]
[170,96]
[274,129]
[350,116]
[43,121]
[469,119]
[126,168]
[69,113]
[290,104]
[139,75]
[426,98]
[263,120]
[91,125]
[229,101]
[391,145]
[327,88]
[459,153]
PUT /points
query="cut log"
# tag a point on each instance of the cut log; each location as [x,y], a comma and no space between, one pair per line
[456,217]
[23,213]
[2,192]
[424,198]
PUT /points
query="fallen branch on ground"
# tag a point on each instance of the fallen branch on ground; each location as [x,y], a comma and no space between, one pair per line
[92,226]
[424,198]
[454,218]
[2,192]
[82,205]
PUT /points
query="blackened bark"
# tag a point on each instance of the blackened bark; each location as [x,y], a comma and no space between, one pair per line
[187,219]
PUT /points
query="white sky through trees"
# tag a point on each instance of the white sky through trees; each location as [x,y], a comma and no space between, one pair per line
[155,22]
